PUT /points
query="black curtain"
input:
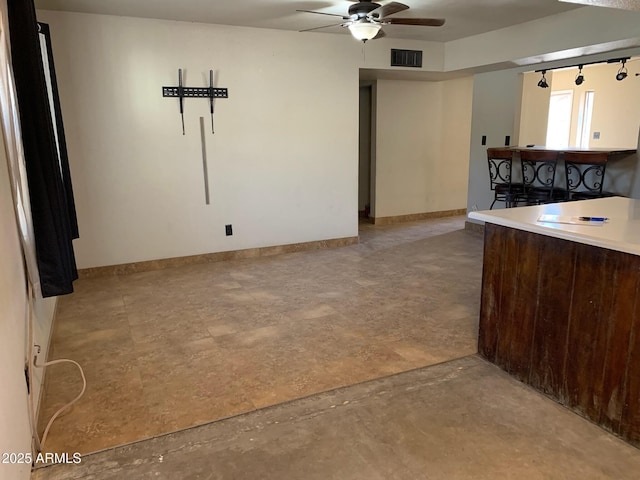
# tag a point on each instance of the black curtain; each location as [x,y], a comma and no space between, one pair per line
[48,176]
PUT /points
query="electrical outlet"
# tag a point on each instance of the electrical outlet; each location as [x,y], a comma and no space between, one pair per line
[596,135]
[474,208]
[228,230]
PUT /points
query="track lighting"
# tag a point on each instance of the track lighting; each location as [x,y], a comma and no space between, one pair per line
[622,73]
[543,81]
[579,78]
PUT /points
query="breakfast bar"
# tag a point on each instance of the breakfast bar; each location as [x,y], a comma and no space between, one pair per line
[560,306]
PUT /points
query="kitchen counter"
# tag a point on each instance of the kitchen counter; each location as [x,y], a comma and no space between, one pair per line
[620,233]
[610,151]
[560,306]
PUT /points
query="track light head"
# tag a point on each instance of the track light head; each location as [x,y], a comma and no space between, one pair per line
[622,73]
[543,81]
[579,78]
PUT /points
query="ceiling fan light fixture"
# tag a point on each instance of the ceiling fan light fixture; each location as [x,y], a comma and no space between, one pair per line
[364,30]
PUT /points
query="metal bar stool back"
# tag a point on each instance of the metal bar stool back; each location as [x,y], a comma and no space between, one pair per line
[539,175]
[500,175]
[585,174]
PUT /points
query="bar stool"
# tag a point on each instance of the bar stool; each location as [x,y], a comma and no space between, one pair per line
[538,175]
[584,172]
[500,169]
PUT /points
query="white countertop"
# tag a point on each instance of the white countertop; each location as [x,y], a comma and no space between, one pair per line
[621,232]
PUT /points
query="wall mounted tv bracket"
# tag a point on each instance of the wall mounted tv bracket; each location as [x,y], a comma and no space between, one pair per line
[198,92]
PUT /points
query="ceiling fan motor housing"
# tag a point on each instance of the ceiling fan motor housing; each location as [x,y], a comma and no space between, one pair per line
[361,9]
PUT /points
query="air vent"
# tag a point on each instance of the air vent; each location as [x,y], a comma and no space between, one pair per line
[406,58]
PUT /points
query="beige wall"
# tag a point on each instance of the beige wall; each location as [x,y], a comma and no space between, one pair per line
[453,167]
[283,164]
[534,109]
[616,108]
[422,142]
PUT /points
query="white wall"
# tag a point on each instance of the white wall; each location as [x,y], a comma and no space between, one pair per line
[495,100]
[15,433]
[422,142]
[283,164]
[15,430]
[583,31]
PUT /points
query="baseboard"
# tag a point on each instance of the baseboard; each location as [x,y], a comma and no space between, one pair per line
[418,216]
[474,227]
[164,263]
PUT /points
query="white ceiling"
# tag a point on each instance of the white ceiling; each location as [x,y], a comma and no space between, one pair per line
[464,17]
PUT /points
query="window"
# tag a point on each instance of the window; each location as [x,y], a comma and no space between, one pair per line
[583,135]
[559,124]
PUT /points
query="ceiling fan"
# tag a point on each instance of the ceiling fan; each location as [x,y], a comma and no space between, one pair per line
[365,19]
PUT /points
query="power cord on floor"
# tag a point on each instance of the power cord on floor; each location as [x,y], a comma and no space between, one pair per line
[39,444]
[68,405]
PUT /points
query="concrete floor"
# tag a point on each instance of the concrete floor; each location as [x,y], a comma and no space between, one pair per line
[463,419]
[170,349]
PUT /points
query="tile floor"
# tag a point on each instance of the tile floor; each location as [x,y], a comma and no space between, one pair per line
[169,349]
[460,420]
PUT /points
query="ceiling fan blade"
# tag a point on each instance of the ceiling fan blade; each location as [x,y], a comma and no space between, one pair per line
[324,26]
[379,35]
[323,13]
[387,9]
[425,22]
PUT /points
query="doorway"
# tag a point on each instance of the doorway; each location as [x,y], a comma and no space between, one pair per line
[364,154]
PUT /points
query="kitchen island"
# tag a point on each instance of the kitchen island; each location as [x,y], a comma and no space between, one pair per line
[560,307]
